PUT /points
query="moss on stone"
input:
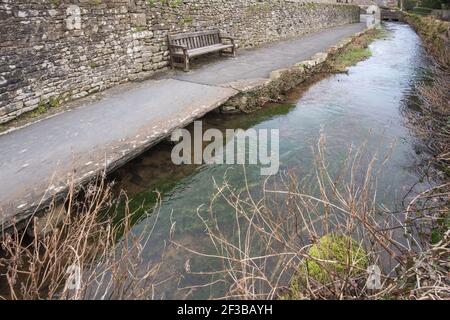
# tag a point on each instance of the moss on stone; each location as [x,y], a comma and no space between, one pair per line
[335,255]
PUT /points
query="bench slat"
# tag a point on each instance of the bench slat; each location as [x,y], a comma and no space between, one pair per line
[212,48]
[193,34]
[203,50]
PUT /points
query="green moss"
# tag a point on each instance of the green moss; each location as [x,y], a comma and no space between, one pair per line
[440,229]
[344,257]
[339,256]
[41,109]
[174,3]
[187,20]
[54,102]
[352,57]
[44,106]
[93,65]
[357,51]
[295,288]
[168,3]
[137,29]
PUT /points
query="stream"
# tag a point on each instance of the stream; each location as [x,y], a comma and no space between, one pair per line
[361,106]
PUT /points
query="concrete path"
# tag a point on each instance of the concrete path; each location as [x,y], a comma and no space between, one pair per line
[258,63]
[38,161]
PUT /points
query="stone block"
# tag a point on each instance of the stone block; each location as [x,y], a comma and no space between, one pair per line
[138,19]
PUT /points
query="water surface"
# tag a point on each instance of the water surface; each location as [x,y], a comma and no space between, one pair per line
[363,106]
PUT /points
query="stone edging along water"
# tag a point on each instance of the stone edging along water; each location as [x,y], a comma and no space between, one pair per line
[244,96]
[254,93]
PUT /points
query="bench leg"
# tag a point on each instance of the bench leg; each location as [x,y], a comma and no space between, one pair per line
[227,52]
[186,64]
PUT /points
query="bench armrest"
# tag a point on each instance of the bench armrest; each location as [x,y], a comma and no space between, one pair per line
[227,38]
[176,46]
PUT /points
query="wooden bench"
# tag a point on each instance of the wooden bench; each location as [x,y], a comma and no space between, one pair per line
[184,46]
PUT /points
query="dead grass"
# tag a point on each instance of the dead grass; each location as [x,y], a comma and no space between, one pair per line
[429,117]
[435,33]
[107,253]
[266,254]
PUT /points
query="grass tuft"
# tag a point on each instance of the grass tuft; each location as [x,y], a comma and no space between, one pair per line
[351,57]
[357,51]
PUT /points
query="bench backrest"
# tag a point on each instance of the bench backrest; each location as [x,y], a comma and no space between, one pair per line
[193,40]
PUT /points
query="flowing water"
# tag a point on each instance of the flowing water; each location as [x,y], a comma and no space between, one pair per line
[362,106]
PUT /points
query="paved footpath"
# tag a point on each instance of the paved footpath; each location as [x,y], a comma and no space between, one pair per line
[38,161]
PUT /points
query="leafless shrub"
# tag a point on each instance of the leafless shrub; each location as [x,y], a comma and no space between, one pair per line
[429,118]
[264,255]
[107,253]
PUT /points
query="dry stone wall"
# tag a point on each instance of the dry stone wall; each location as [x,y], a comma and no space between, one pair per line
[56,50]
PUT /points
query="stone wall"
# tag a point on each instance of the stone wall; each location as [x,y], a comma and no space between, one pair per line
[57,50]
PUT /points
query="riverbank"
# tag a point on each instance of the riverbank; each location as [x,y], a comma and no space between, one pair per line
[39,161]
[418,272]
[187,226]
[429,121]
[255,93]
[345,228]
[225,232]
[435,35]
